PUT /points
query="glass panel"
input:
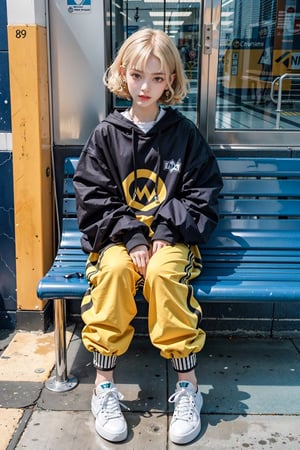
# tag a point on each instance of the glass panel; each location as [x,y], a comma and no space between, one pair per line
[179,19]
[258,83]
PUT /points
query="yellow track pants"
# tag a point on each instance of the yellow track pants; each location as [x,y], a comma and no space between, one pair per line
[109,306]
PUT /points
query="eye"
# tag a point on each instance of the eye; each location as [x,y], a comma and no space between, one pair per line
[159,79]
[135,75]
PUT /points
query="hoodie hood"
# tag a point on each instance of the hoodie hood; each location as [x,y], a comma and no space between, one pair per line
[170,119]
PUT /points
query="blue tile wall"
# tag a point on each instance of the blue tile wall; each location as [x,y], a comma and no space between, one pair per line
[8,302]
[3,26]
[5,118]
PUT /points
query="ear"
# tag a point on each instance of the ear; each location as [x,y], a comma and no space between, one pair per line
[172,78]
[122,71]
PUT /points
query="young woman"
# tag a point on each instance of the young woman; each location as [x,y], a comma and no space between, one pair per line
[147,186]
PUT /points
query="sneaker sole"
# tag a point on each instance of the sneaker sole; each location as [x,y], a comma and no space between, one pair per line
[187,438]
[111,437]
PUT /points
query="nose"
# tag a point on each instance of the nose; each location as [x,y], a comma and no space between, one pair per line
[145,85]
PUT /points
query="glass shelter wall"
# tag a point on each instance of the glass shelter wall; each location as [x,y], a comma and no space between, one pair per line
[256,64]
[247,85]
[258,49]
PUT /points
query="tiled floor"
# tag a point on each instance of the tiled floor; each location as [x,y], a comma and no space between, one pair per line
[251,391]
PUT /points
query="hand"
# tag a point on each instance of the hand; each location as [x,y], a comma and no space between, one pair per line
[140,257]
[158,244]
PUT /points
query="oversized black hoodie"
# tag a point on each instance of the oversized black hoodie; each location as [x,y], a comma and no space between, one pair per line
[133,187]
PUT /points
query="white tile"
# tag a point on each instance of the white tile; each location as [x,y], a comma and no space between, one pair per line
[5,141]
[27,12]
[9,141]
[2,141]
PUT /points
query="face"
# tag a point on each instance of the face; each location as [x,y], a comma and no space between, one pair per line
[147,86]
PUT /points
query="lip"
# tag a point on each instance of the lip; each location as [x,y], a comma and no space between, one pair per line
[144,97]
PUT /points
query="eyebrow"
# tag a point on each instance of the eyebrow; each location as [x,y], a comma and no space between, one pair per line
[142,71]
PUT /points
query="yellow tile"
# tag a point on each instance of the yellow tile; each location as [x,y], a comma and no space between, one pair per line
[33,183]
[9,419]
[29,357]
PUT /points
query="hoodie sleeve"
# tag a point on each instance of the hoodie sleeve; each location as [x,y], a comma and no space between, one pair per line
[103,215]
[192,214]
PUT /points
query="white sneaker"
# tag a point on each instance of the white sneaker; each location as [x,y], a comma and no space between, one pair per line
[185,424]
[105,405]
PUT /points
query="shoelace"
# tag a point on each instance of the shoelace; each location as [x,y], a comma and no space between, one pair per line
[110,402]
[184,404]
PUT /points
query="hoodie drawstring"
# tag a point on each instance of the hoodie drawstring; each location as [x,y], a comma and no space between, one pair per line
[134,149]
[156,169]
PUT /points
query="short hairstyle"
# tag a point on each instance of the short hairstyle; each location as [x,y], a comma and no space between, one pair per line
[135,52]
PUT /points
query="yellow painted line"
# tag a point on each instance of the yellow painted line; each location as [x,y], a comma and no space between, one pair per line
[29,357]
[9,419]
[291,113]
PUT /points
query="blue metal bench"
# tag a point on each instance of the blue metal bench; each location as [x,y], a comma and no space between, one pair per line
[252,256]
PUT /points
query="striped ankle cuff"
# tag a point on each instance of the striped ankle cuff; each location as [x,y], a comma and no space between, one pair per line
[103,362]
[185,364]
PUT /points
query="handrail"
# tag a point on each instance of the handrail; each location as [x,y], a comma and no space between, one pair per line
[280,80]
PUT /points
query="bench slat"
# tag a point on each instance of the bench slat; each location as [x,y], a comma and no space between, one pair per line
[247,291]
[216,273]
[245,187]
[233,207]
[251,262]
[58,287]
[273,188]
[260,167]
[255,207]
[204,290]
[250,273]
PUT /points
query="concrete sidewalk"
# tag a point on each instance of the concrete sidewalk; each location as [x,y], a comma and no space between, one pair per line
[251,391]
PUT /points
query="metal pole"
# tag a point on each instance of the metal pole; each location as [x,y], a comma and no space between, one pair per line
[60,340]
[60,382]
[278,110]
[285,76]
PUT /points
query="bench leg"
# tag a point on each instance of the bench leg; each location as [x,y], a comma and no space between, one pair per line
[61,382]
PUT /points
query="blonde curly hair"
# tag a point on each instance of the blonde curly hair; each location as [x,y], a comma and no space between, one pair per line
[134,53]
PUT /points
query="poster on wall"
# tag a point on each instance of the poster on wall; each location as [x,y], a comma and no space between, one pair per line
[79,6]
